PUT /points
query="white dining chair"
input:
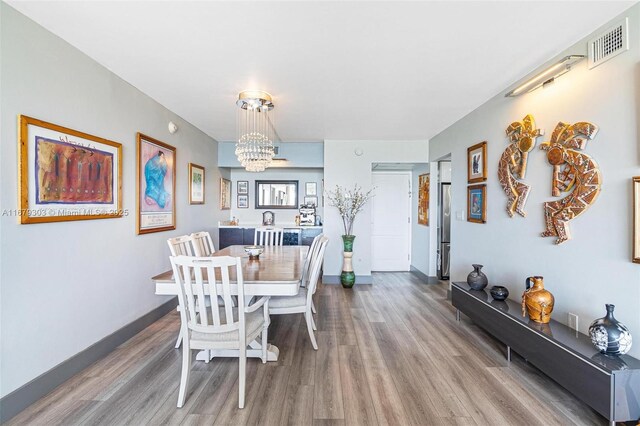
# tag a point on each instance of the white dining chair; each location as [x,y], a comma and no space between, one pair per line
[268,236]
[216,327]
[180,246]
[202,244]
[301,303]
[307,263]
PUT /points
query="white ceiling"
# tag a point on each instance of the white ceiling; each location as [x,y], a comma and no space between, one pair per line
[336,70]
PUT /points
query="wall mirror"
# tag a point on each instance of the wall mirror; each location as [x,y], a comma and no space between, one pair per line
[276,194]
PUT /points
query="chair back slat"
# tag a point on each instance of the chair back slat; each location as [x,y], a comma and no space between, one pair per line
[307,260]
[202,244]
[180,246]
[316,266]
[191,275]
[268,236]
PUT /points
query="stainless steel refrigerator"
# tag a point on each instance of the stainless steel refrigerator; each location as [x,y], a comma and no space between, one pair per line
[444,231]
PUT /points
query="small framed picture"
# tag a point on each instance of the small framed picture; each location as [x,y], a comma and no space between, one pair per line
[636,219]
[311,201]
[268,218]
[310,188]
[477,163]
[196,184]
[243,187]
[225,194]
[243,201]
[477,203]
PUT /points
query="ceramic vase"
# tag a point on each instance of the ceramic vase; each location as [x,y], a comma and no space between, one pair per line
[536,301]
[609,335]
[499,292]
[477,280]
[347,278]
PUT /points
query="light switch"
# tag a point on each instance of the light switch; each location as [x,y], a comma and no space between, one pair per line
[460,215]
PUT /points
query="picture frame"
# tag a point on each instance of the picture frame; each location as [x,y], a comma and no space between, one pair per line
[243,187]
[196,184]
[636,219]
[268,218]
[243,201]
[225,194]
[65,174]
[155,185]
[477,163]
[423,199]
[477,203]
[311,188]
[313,200]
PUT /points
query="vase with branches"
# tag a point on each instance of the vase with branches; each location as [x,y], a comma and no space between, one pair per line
[349,203]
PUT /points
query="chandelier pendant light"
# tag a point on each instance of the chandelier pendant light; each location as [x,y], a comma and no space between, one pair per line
[254,147]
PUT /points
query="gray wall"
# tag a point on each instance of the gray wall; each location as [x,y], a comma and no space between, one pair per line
[344,167]
[251,216]
[420,234]
[595,267]
[65,286]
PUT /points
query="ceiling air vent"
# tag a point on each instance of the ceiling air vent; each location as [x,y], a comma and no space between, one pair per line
[608,44]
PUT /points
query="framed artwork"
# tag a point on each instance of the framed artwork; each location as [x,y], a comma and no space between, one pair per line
[268,218]
[477,203]
[196,184]
[311,188]
[636,219]
[156,185]
[311,201]
[243,187]
[243,201]
[225,194]
[477,163]
[66,174]
[423,199]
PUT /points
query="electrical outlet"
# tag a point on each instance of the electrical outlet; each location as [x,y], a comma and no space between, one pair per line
[573,321]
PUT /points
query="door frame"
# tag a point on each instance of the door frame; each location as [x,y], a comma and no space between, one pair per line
[409,174]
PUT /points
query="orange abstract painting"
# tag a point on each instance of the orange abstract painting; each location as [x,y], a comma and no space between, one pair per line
[423,200]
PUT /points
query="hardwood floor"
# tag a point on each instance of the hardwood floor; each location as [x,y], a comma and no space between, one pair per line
[389,353]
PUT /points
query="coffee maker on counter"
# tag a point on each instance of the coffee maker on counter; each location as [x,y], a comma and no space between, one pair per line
[307,215]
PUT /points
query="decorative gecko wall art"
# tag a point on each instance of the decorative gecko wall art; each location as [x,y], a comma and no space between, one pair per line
[513,163]
[574,172]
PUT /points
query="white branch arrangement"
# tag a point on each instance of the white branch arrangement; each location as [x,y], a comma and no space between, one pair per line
[349,203]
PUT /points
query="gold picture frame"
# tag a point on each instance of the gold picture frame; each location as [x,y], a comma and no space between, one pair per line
[636,219]
[155,185]
[65,174]
[196,184]
[225,194]
[477,163]
[423,199]
[477,203]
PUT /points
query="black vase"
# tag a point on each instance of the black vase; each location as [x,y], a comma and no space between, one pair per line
[609,335]
[477,280]
[499,292]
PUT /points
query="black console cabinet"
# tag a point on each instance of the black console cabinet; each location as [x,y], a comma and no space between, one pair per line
[610,385]
[235,236]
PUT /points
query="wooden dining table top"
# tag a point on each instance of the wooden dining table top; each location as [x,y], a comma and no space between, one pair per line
[277,271]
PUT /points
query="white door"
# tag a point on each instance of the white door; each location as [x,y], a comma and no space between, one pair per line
[390,227]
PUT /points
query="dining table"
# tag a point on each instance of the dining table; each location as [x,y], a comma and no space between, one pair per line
[276,272]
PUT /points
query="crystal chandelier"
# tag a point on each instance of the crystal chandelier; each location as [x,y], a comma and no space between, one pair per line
[254,148]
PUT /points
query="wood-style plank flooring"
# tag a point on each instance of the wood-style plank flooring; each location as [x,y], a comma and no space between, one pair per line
[389,353]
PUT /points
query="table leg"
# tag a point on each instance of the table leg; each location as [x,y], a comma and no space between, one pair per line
[509,353]
[457,314]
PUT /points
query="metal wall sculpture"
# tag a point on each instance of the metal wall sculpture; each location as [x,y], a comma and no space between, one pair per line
[513,163]
[573,172]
